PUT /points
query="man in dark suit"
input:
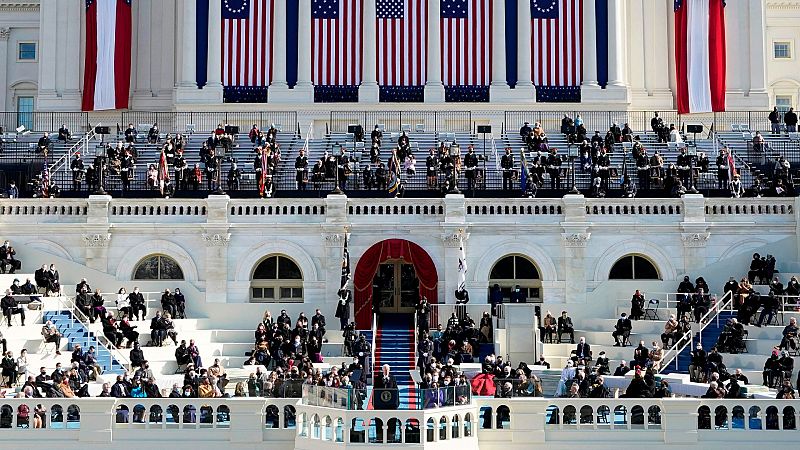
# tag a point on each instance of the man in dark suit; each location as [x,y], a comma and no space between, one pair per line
[565,326]
[622,330]
[583,350]
[386,380]
[386,393]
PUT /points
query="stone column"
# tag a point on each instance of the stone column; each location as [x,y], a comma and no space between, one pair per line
[498,89]
[216,236]
[97,417]
[48,49]
[453,239]
[589,85]
[617,88]
[694,233]
[278,88]
[368,91]
[575,237]
[72,89]
[656,52]
[212,91]
[5,33]
[304,89]
[525,92]
[333,238]
[434,89]
[758,55]
[679,416]
[188,48]
[143,60]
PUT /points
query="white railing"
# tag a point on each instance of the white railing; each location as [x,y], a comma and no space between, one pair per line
[723,304]
[64,160]
[371,369]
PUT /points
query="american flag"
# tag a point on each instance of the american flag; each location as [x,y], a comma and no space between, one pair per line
[45,177]
[556,42]
[247,35]
[466,42]
[345,266]
[402,40]
[337,46]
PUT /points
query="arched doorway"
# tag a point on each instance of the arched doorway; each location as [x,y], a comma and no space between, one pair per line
[394,274]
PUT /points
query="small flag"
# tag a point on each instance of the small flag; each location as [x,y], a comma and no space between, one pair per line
[523,177]
[45,177]
[394,175]
[345,266]
[462,269]
[731,166]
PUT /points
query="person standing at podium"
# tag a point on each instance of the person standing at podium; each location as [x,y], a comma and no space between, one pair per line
[386,380]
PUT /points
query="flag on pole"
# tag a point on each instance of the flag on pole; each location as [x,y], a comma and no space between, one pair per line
[523,173]
[163,172]
[107,63]
[336,38]
[262,182]
[467,42]
[402,41]
[247,31]
[700,55]
[45,177]
[345,266]
[462,268]
[557,42]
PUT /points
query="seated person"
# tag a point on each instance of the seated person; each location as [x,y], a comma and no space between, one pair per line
[670,332]
[637,305]
[622,330]
[565,326]
[789,339]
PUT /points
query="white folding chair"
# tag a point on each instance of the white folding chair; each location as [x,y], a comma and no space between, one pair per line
[420,128]
[735,127]
[794,136]
[405,127]
[381,127]
[190,127]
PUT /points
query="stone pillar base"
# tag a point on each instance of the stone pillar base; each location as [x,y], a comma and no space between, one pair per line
[500,92]
[611,94]
[752,100]
[434,93]
[369,93]
[523,93]
[210,94]
[303,93]
[279,93]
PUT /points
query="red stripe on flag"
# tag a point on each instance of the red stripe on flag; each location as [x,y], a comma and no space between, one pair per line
[248,30]
[90,60]
[122,56]
[716,52]
[682,77]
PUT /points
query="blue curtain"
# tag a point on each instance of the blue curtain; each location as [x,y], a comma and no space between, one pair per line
[466,94]
[245,94]
[511,42]
[601,15]
[292,12]
[202,42]
[402,93]
[558,94]
[335,94]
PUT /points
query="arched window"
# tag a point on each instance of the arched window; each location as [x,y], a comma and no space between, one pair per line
[157,267]
[514,270]
[633,267]
[277,279]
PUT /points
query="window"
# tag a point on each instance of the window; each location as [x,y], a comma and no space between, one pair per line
[783,102]
[514,270]
[25,111]
[26,51]
[158,267]
[782,50]
[633,267]
[277,279]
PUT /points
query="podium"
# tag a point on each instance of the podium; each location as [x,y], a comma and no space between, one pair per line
[383,399]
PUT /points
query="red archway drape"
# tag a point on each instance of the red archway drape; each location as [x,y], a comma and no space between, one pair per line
[381,252]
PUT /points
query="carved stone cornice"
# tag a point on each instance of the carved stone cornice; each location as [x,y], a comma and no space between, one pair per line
[454,239]
[5,33]
[19,7]
[576,240]
[334,240]
[96,240]
[695,240]
[216,239]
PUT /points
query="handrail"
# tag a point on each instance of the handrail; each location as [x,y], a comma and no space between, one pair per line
[688,337]
[77,315]
[374,333]
[64,160]
[496,159]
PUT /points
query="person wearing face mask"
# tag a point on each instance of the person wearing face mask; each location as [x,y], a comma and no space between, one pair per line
[697,364]
[138,307]
[565,327]
[518,296]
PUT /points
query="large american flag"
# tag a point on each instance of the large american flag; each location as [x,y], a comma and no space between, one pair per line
[337,47]
[247,35]
[402,40]
[466,42]
[556,42]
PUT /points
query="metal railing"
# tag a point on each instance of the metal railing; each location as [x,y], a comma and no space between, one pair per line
[725,303]
[450,121]
[64,160]
[77,316]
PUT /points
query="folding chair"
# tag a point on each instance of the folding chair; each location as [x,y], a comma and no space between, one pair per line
[190,128]
[405,127]
[735,127]
[420,128]
[651,310]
